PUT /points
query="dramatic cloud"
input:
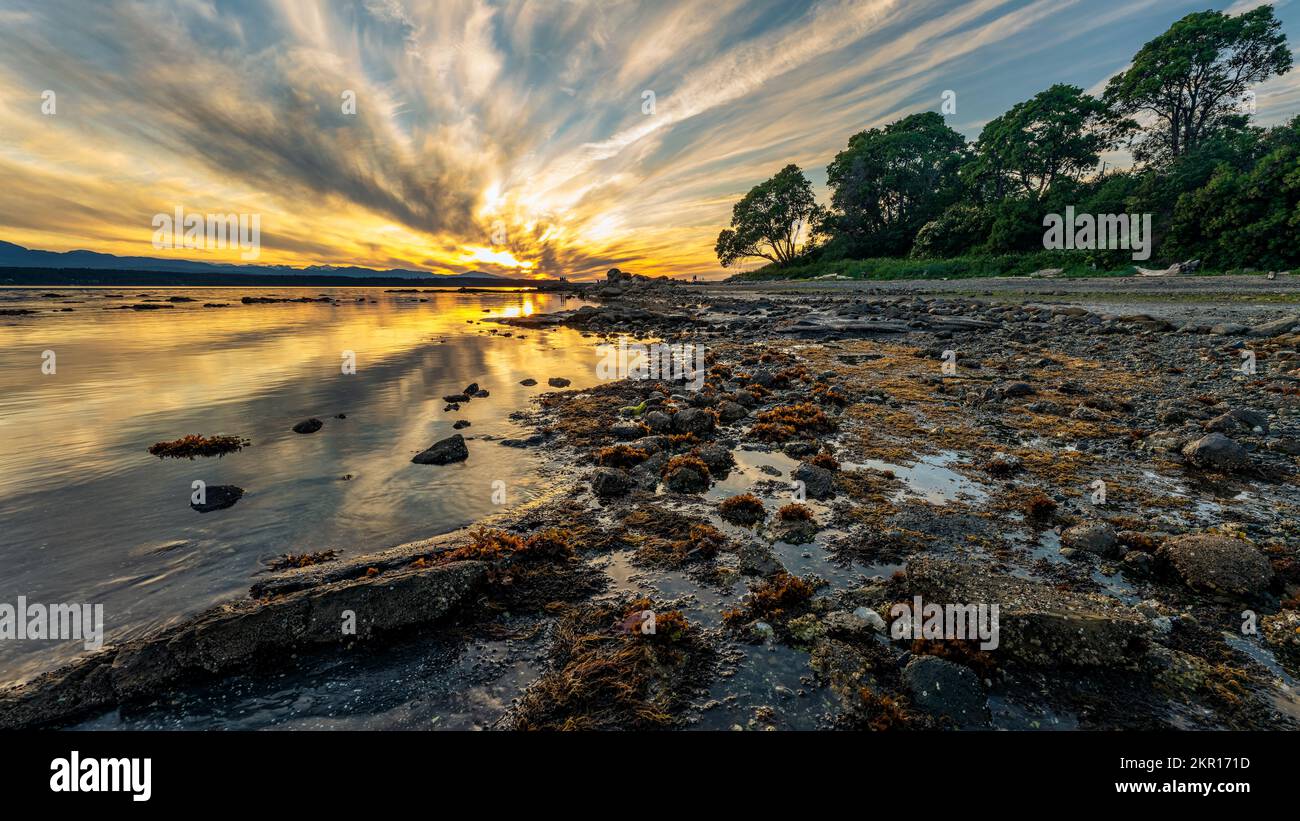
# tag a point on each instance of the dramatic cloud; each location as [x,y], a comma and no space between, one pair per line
[500,136]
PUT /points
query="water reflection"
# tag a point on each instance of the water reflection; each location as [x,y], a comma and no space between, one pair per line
[87,515]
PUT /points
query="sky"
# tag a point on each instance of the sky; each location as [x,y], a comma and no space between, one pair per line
[526,137]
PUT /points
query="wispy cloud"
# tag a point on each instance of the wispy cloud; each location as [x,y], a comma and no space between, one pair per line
[485,120]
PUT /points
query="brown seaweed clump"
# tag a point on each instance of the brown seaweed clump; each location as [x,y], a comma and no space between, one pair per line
[621,456]
[745,509]
[195,445]
[788,421]
[778,597]
[293,560]
[608,674]
[495,546]
[794,512]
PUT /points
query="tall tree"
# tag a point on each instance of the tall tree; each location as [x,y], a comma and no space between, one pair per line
[1057,134]
[770,220]
[1196,75]
[890,181]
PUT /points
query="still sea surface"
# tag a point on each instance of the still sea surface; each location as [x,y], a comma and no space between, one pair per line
[87,515]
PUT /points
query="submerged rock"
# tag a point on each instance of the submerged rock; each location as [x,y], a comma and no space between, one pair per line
[819,483]
[941,687]
[1091,537]
[444,452]
[308,426]
[219,497]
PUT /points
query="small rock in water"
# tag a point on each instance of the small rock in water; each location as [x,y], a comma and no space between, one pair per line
[819,483]
[460,424]
[1091,537]
[529,382]
[444,452]
[535,439]
[218,497]
[945,688]
[558,382]
[308,426]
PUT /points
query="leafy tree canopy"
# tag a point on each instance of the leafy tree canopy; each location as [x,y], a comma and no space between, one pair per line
[1197,74]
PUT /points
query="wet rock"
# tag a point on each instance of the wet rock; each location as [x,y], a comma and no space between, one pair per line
[686,479]
[694,420]
[1003,464]
[625,430]
[872,618]
[1014,389]
[819,483]
[308,426]
[943,688]
[799,449]
[1219,564]
[1281,632]
[652,444]
[1038,624]
[717,457]
[758,560]
[659,422]
[460,424]
[647,474]
[558,382]
[610,482]
[845,625]
[1216,452]
[455,398]
[1137,564]
[1289,445]
[730,412]
[527,442]
[529,382]
[1091,537]
[229,638]
[1276,327]
[219,497]
[443,452]
[1238,419]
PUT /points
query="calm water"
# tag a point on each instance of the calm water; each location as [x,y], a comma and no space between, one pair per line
[87,515]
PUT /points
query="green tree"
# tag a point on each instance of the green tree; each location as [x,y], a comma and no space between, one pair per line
[769,220]
[1057,134]
[891,181]
[1246,215]
[1196,75]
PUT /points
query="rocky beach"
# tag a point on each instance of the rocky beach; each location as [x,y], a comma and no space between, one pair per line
[1111,463]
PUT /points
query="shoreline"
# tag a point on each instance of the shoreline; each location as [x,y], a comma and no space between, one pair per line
[904,467]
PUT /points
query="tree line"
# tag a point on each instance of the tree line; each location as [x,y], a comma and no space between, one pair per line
[1219,188]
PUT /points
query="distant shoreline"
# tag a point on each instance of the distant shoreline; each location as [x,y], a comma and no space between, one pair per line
[78,277]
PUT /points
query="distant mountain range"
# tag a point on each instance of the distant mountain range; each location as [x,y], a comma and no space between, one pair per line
[16,256]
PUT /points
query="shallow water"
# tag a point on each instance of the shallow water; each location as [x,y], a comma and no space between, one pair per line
[87,515]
